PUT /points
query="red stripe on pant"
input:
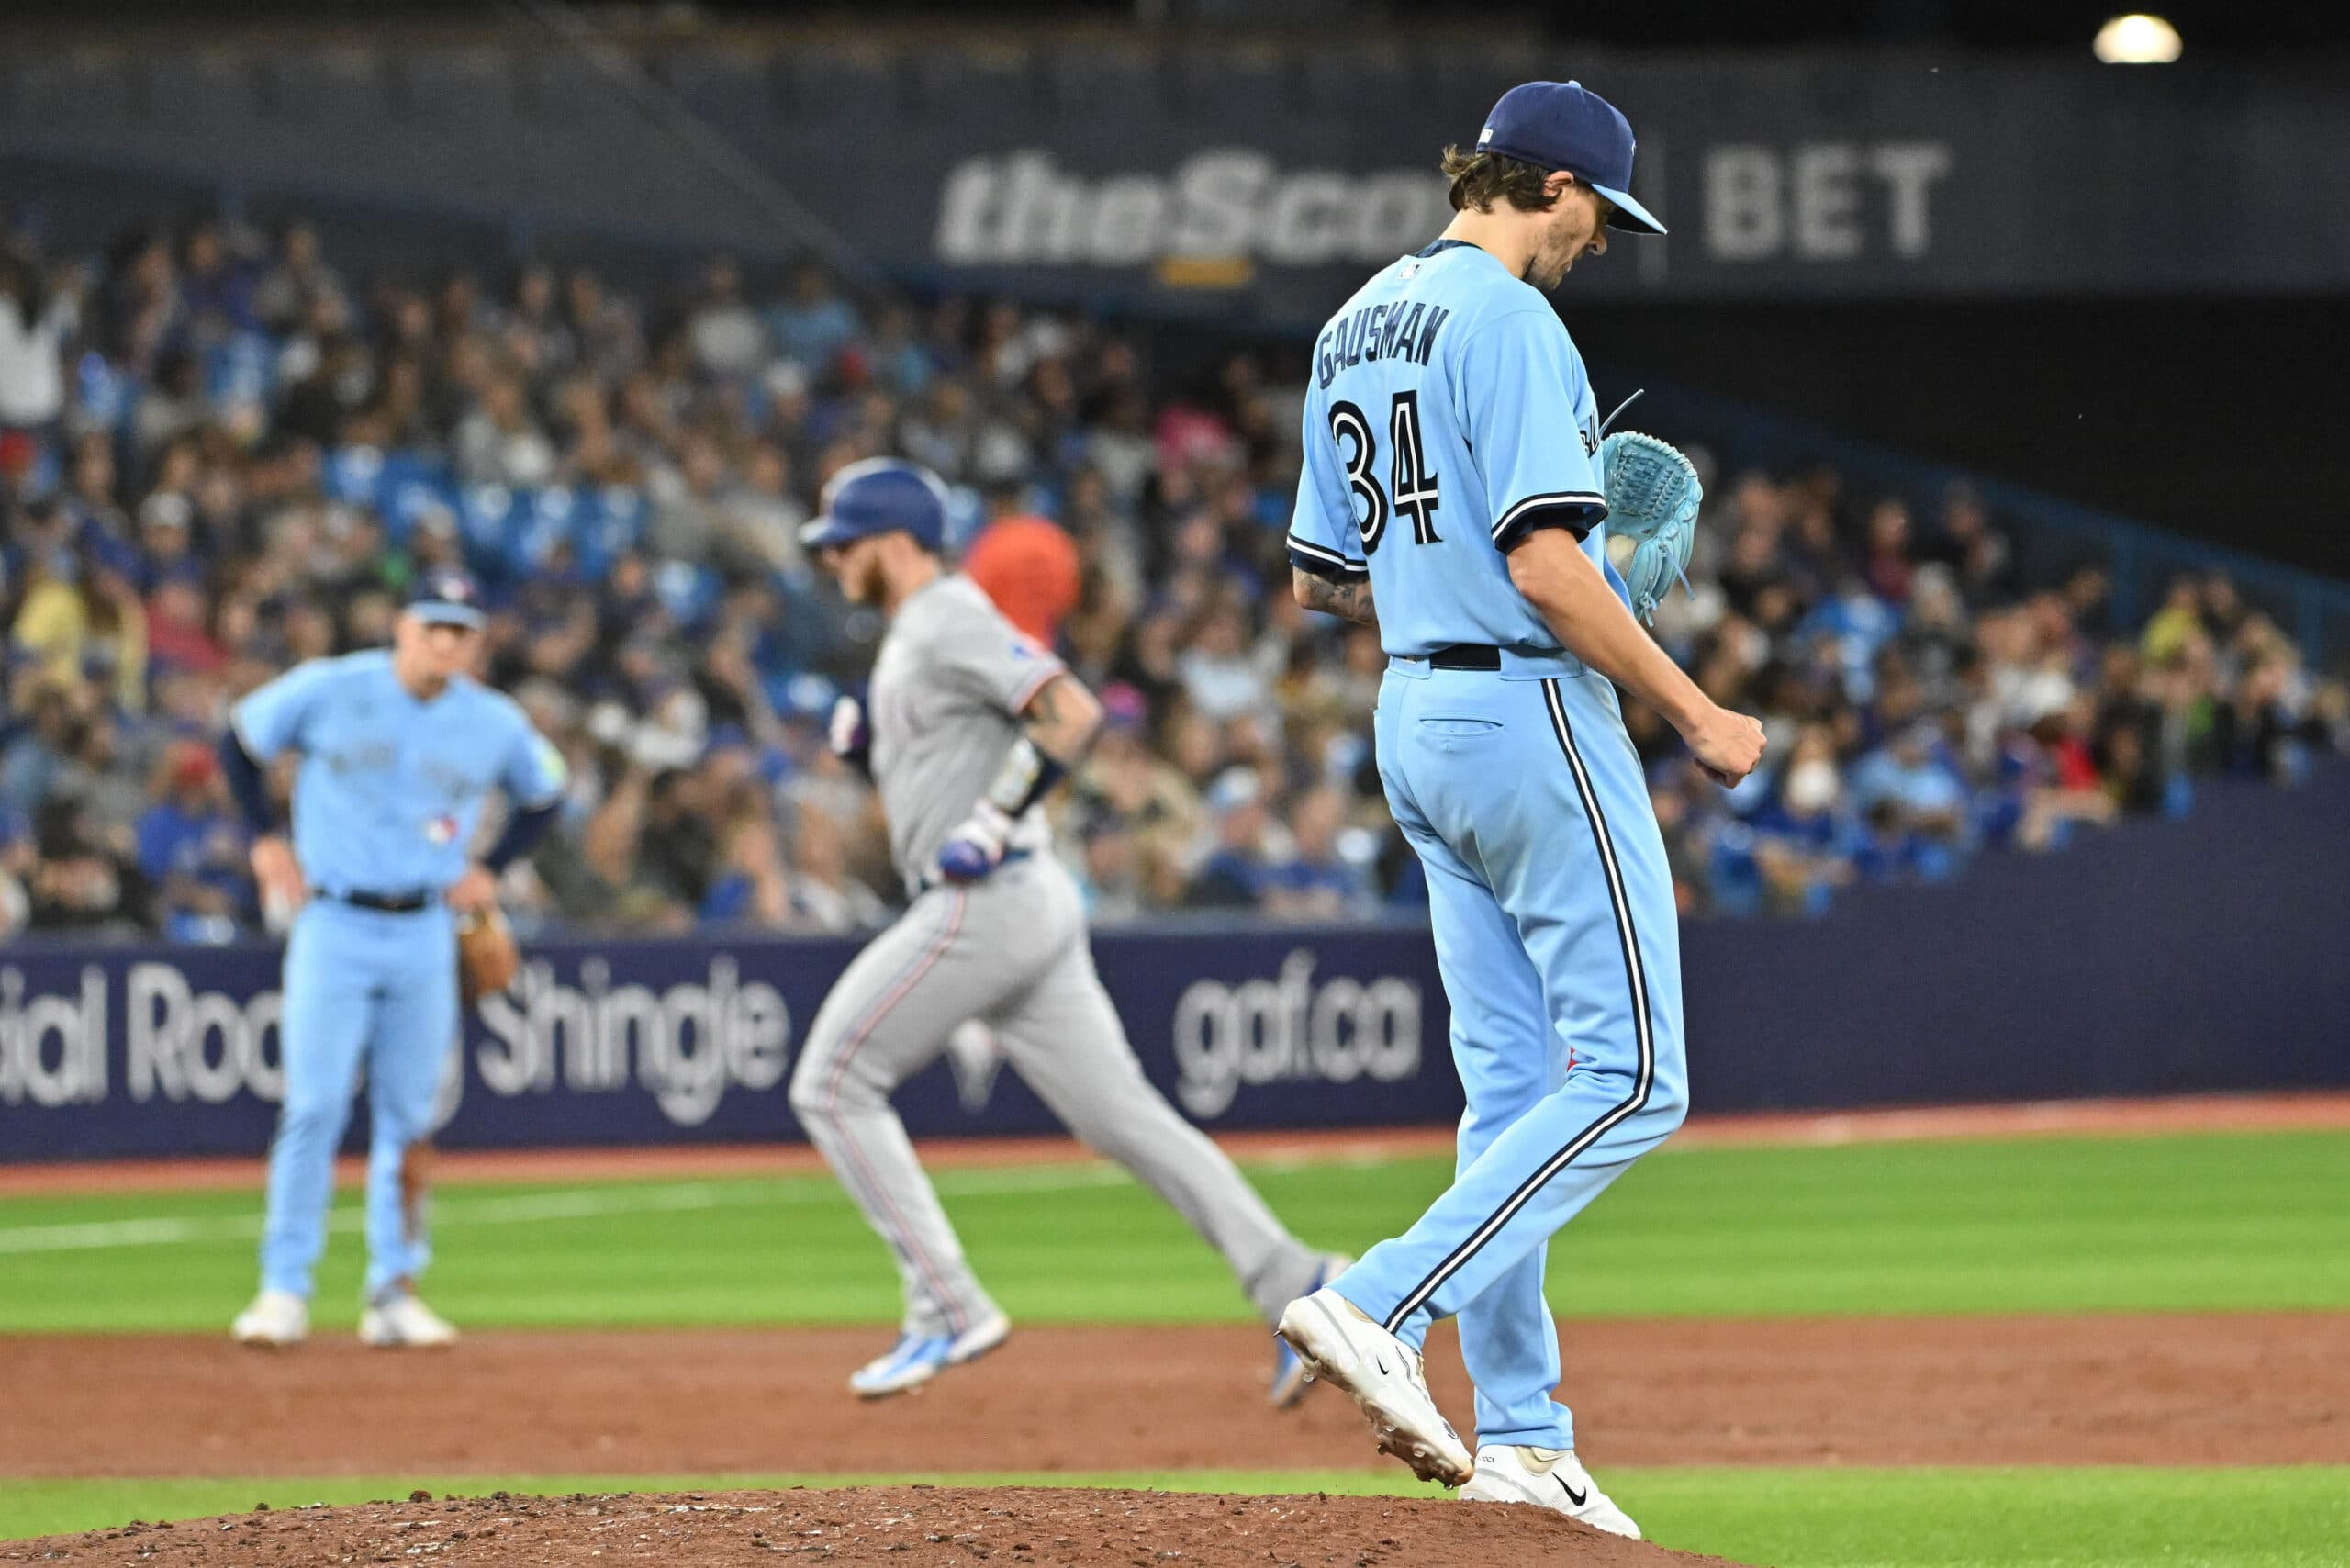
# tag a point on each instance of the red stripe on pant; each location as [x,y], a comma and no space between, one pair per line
[924,962]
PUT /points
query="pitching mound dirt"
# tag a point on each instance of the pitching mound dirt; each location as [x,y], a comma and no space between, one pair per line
[916,1526]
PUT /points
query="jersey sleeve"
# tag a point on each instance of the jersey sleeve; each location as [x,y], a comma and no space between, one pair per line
[1322,538]
[987,655]
[534,774]
[272,717]
[1519,384]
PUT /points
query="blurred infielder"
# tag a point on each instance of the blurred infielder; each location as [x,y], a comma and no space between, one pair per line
[398,748]
[1451,440]
[970,725]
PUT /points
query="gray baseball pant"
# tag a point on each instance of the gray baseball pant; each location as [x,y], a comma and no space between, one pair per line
[1012,952]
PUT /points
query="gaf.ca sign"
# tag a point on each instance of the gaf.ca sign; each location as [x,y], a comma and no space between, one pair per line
[1227,204]
[1292,1029]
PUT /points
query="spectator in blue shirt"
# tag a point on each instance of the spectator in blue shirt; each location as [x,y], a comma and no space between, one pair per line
[815,323]
[192,848]
[1318,882]
[36,751]
[1930,796]
[1234,875]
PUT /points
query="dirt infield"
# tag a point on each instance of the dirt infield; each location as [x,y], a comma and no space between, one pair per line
[2156,1389]
[910,1527]
[2313,1110]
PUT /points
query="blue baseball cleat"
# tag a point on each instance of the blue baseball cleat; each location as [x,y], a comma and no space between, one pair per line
[915,1359]
[1290,1378]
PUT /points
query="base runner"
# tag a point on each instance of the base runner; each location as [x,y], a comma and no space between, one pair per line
[970,725]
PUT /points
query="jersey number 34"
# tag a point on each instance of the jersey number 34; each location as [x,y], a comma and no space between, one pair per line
[1409,477]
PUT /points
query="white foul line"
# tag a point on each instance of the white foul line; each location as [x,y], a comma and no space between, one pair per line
[537,1207]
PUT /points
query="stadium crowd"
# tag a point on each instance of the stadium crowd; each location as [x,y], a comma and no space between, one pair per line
[219,456]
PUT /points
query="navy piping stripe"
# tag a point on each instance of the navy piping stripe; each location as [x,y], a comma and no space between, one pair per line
[1634,975]
[1305,547]
[1560,497]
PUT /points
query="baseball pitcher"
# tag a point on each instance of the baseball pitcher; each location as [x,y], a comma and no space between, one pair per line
[1455,477]
[971,725]
[398,749]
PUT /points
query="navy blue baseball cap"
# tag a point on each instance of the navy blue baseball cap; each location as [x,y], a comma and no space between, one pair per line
[447,598]
[880,494]
[1565,125]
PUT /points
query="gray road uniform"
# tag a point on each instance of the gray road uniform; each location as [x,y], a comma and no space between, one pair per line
[951,679]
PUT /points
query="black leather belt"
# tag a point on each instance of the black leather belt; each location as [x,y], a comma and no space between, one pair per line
[383,903]
[1466,656]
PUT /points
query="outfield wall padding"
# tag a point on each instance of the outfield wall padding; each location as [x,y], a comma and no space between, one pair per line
[2150,959]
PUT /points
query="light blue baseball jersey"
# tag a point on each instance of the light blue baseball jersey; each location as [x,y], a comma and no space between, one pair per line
[390,789]
[1448,414]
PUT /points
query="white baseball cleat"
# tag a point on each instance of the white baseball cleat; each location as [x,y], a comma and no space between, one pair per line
[400,1320]
[915,1359]
[1547,1478]
[1290,1378]
[1384,1375]
[275,1320]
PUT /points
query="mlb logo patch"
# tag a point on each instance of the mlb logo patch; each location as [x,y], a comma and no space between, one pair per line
[441,830]
[1485,136]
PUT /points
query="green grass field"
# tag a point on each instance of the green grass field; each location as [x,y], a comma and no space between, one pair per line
[2210,1223]
[2216,1222]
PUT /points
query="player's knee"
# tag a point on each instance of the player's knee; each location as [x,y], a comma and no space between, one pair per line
[821,1088]
[311,1116]
[392,1128]
[1667,1108]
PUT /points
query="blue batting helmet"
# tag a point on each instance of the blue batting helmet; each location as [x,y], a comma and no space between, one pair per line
[879,495]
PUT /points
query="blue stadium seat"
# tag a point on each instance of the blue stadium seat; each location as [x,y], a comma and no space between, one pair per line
[556,515]
[240,370]
[353,475]
[689,593]
[487,519]
[800,694]
[615,527]
[400,487]
[402,499]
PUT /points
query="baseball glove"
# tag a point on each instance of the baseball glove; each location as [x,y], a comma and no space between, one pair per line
[1649,486]
[1657,564]
[488,960]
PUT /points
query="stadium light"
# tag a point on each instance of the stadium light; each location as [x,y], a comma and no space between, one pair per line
[2137,40]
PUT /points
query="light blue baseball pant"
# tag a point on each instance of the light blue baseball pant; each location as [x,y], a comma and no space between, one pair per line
[1555,931]
[361,986]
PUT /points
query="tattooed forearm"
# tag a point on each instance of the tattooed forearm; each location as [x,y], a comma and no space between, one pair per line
[1350,599]
[1062,719]
[1058,725]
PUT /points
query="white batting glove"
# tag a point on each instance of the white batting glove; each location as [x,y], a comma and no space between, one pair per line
[850,737]
[975,847]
